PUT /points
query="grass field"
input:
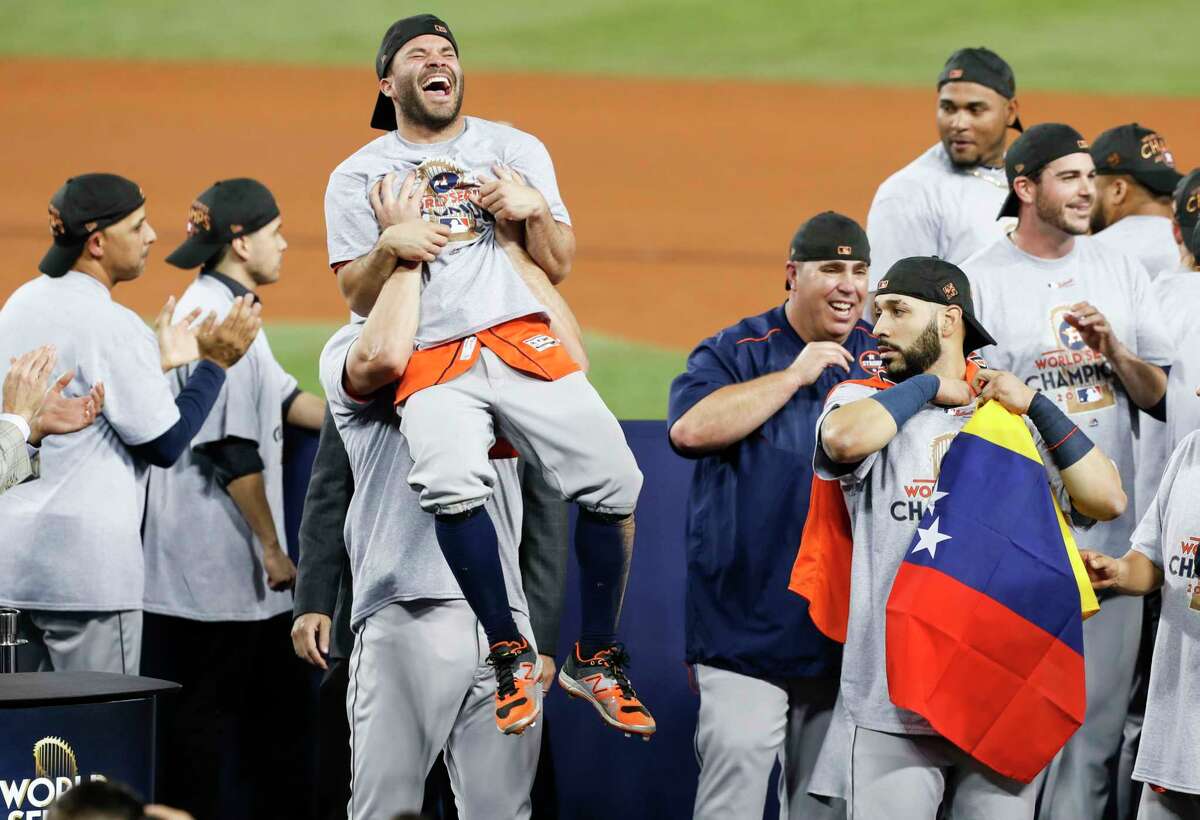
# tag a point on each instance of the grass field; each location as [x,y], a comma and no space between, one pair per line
[1078,45]
[631,392]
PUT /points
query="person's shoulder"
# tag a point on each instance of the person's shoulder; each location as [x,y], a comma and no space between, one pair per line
[915,177]
[502,131]
[363,161]
[995,254]
[749,330]
[333,357]
[862,337]
[1101,258]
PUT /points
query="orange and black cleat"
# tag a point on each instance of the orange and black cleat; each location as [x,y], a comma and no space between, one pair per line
[601,681]
[518,692]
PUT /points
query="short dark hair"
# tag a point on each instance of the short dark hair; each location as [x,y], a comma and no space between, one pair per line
[98,800]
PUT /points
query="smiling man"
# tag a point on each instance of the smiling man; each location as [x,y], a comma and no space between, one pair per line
[1077,320]
[746,409]
[944,202]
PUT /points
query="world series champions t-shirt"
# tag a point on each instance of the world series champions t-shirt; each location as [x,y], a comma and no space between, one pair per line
[748,503]
[1149,239]
[1022,300]
[472,284]
[394,553]
[886,496]
[931,207]
[1169,535]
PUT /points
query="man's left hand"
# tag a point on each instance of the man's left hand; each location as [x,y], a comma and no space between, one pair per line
[510,198]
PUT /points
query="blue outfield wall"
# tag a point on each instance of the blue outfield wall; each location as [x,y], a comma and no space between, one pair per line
[598,771]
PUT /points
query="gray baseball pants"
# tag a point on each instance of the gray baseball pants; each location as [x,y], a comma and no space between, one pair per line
[80,641]
[419,686]
[909,776]
[1078,782]
[450,427]
[748,723]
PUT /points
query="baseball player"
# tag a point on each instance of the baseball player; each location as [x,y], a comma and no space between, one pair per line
[746,408]
[1183,407]
[874,441]
[218,608]
[419,681]
[1163,556]
[72,557]
[945,201]
[1135,180]
[1078,321]
[487,361]
[33,409]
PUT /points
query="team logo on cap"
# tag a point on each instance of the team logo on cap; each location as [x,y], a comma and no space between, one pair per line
[1155,147]
[1113,159]
[1019,167]
[441,29]
[844,250]
[1082,144]
[955,73]
[199,218]
[235,228]
[949,290]
[57,226]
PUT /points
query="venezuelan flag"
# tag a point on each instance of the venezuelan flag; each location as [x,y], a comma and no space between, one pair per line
[985,617]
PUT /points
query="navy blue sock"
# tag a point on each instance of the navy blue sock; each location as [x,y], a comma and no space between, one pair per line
[599,547]
[468,541]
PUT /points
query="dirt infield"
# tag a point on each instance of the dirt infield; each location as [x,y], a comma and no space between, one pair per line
[684,194]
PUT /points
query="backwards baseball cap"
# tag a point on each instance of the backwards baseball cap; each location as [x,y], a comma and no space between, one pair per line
[83,205]
[982,66]
[931,279]
[399,33]
[229,209]
[1139,152]
[830,235]
[1187,201]
[1034,150]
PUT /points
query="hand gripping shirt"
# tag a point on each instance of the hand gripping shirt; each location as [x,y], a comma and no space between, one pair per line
[931,207]
[1022,301]
[886,495]
[748,503]
[472,285]
[1169,535]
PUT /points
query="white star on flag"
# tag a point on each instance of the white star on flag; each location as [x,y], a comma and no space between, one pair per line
[937,496]
[928,539]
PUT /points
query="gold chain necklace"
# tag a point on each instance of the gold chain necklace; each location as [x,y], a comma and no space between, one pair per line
[975,172]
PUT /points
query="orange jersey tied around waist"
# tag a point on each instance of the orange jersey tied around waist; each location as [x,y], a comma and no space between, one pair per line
[525,344]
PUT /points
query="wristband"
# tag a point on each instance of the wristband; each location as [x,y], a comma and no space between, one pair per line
[1065,442]
[904,400]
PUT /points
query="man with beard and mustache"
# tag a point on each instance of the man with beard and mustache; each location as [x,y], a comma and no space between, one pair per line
[487,362]
[878,437]
[944,202]
[1079,321]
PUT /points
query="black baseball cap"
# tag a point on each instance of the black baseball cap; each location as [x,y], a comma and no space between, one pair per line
[1187,201]
[830,235]
[931,279]
[1192,241]
[83,205]
[399,33]
[982,66]
[229,209]
[1034,150]
[1141,153]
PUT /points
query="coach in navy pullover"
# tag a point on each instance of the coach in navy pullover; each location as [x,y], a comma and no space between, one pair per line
[746,409]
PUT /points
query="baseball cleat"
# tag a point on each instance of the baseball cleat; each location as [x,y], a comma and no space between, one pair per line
[518,693]
[601,681]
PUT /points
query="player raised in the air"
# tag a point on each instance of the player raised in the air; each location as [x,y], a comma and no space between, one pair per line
[483,358]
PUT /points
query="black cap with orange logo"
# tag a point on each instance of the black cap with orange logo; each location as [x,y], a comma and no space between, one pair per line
[935,280]
[1141,153]
[227,210]
[399,33]
[827,236]
[1034,150]
[83,205]
[1187,201]
[982,66]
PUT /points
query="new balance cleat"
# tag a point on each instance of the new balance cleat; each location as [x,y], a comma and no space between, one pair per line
[518,692]
[601,681]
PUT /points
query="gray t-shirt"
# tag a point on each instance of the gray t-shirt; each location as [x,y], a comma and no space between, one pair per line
[886,496]
[218,576]
[1149,239]
[472,285]
[1022,299]
[1169,535]
[70,540]
[933,208]
[394,553]
[1179,296]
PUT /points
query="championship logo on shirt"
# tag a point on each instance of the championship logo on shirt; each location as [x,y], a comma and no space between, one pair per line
[1072,374]
[1186,565]
[451,198]
[921,491]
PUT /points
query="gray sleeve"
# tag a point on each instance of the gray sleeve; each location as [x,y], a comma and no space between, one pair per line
[825,467]
[322,526]
[1147,536]
[530,158]
[137,396]
[899,224]
[543,554]
[350,227]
